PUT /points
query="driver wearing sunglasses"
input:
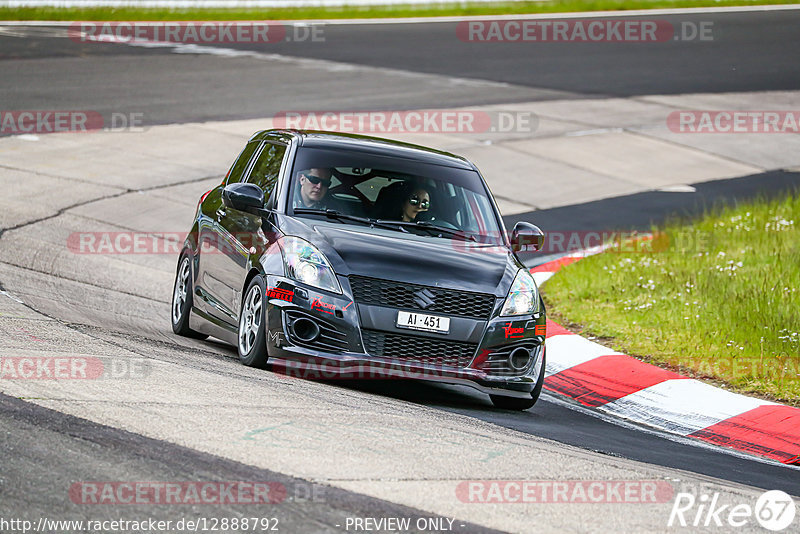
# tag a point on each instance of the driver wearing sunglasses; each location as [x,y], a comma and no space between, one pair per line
[314,184]
[417,202]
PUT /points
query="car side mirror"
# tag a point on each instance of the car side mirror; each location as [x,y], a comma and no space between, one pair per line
[243,197]
[526,236]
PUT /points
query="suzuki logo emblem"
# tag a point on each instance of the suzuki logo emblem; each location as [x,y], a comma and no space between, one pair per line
[424,298]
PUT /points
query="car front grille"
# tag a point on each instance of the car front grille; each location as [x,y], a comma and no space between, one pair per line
[403,295]
[418,349]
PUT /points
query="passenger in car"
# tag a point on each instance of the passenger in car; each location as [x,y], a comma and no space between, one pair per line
[417,202]
[403,200]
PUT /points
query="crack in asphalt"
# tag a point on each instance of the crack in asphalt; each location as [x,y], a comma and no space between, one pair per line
[49,175]
[83,282]
[65,209]
[82,203]
[698,150]
[147,455]
[61,211]
[58,213]
[94,331]
[273,378]
[572,165]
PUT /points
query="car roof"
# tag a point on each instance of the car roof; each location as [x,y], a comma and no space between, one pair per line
[365,143]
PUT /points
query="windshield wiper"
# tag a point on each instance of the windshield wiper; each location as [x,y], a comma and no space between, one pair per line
[391,225]
[334,214]
[430,227]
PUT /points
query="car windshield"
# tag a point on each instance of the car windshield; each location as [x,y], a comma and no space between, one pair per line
[394,190]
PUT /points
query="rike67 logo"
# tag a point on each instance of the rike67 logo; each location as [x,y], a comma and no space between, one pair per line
[774,510]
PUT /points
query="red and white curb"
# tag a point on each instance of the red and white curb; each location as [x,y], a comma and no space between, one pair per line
[621,386]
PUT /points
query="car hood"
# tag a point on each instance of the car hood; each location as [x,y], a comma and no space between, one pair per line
[425,260]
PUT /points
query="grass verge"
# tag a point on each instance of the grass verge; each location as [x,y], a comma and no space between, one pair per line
[392,11]
[720,302]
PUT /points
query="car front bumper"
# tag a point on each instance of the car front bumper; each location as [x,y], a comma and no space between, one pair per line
[299,362]
[340,352]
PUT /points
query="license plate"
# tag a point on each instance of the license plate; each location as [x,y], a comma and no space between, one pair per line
[421,321]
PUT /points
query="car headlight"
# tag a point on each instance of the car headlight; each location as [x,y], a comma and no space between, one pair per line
[305,263]
[523,297]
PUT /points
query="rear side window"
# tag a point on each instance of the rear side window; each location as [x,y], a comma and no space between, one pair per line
[240,165]
[267,167]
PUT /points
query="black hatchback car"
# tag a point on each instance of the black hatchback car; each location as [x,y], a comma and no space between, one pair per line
[333,255]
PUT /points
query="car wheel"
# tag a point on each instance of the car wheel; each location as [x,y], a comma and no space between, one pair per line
[253,325]
[182,300]
[515,403]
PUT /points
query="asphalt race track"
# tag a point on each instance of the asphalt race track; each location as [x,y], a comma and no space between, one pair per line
[750,52]
[370,449]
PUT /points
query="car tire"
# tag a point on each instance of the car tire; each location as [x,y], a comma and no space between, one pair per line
[182,299]
[515,403]
[251,336]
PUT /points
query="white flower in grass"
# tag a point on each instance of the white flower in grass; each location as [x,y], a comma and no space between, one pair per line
[778,224]
[729,268]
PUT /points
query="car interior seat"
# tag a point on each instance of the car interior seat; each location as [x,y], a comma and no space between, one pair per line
[390,199]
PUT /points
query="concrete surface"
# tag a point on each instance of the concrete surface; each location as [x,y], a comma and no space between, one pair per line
[599,136]
[374,445]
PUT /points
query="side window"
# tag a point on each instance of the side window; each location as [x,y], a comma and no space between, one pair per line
[239,166]
[267,167]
